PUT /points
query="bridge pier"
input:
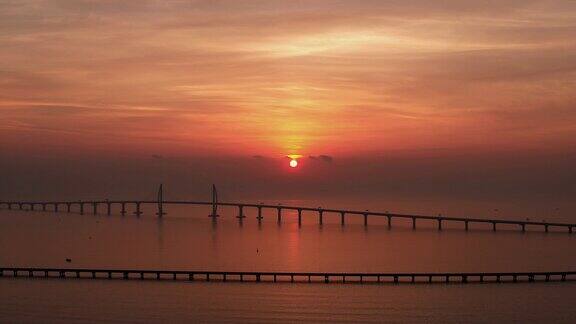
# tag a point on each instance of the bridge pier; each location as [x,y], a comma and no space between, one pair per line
[108,208]
[569,229]
[279,215]
[123,211]
[95,208]
[56,207]
[342,216]
[43,206]
[137,212]
[413,223]
[523,227]
[81,208]
[299,216]
[68,207]
[160,211]
[31,206]
[365,219]
[259,217]
[494,226]
[240,212]
[9,206]
[20,206]
[320,214]
[466,225]
[546,228]
[439,224]
[389,221]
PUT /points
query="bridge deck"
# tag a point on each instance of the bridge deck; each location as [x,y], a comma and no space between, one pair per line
[271,276]
[320,211]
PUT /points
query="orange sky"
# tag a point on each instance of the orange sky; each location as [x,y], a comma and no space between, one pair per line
[427,102]
[341,78]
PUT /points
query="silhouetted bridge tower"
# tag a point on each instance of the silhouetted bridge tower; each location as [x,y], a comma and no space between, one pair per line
[214,214]
[160,202]
[160,212]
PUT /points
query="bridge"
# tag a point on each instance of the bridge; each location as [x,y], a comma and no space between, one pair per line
[80,206]
[325,277]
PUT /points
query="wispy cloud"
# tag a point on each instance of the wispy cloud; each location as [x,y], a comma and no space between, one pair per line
[283,77]
[322,157]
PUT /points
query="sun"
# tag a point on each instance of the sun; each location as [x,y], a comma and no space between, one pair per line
[293,160]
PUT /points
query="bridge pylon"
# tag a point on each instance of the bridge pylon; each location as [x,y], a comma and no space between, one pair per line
[214,203]
[160,212]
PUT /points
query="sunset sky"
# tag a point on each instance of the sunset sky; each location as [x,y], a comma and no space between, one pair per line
[358,88]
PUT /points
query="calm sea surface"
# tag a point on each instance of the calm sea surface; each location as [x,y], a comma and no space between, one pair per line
[188,240]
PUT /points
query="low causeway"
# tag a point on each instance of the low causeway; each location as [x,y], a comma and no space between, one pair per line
[291,277]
